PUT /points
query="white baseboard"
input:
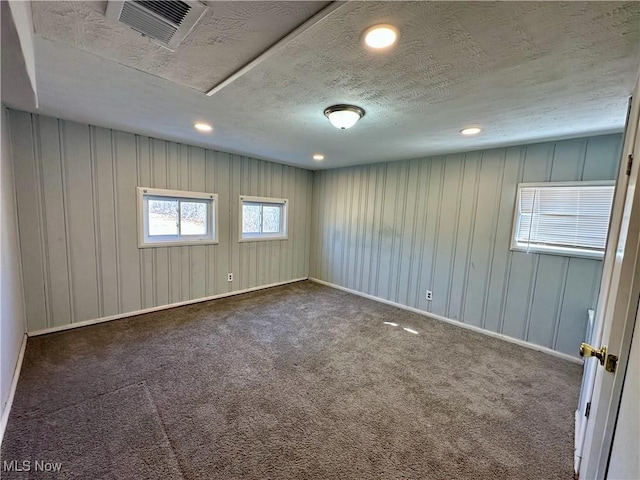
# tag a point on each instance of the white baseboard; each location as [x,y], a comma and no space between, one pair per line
[4,419]
[517,341]
[85,323]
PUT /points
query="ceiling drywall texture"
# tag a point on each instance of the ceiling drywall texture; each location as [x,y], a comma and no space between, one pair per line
[229,35]
[525,71]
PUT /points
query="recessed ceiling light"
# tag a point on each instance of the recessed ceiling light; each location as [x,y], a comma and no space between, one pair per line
[318,156]
[343,116]
[380,36]
[202,127]
[470,131]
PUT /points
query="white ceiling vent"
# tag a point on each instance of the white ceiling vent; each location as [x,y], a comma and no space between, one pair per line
[167,23]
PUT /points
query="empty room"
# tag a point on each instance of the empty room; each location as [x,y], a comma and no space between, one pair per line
[320,240]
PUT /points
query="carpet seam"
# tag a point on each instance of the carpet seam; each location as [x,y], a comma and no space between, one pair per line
[164,428]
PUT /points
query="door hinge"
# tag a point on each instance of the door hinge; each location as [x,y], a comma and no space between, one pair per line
[629,163]
[587,410]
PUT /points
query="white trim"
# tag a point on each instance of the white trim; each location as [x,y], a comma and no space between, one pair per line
[275,201]
[579,183]
[551,250]
[186,243]
[135,313]
[517,341]
[164,192]
[262,238]
[12,391]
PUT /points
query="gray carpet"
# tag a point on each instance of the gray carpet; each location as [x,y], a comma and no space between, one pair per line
[117,435]
[295,382]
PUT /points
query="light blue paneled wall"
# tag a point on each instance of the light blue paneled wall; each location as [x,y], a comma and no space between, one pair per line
[76,201]
[392,230]
[397,229]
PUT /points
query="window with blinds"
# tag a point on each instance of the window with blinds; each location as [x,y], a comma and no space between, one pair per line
[568,218]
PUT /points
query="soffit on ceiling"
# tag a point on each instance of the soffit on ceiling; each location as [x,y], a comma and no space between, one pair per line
[228,35]
[525,71]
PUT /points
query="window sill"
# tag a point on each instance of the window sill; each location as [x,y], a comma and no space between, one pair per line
[559,252]
[261,239]
[178,244]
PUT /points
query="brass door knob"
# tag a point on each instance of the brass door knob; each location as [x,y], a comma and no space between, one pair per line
[587,350]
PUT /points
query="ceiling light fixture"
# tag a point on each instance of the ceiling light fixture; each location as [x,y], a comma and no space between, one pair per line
[380,36]
[343,116]
[202,127]
[470,131]
[318,156]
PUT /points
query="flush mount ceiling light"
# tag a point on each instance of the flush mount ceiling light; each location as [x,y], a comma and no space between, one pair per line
[343,116]
[380,36]
[202,127]
[318,156]
[470,131]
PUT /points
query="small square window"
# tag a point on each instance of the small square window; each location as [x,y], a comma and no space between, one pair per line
[563,218]
[263,218]
[173,217]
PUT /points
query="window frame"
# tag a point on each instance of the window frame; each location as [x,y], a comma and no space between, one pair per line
[144,194]
[515,246]
[283,203]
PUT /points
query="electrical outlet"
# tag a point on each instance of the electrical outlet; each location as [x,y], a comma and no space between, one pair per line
[429,295]
[230,277]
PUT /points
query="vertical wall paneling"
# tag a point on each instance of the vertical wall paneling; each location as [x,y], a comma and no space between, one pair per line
[126,181]
[27,188]
[393,230]
[430,231]
[242,271]
[58,298]
[501,267]
[365,258]
[78,176]
[447,232]
[226,222]
[143,162]
[198,252]
[160,256]
[464,229]
[184,183]
[488,186]
[175,253]
[524,267]
[400,237]
[414,207]
[303,264]
[77,213]
[444,224]
[96,223]
[602,157]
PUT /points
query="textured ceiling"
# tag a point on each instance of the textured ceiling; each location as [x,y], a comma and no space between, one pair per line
[228,35]
[525,71]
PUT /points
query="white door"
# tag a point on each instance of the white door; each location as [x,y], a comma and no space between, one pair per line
[615,316]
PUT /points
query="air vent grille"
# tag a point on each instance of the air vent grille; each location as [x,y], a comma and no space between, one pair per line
[167,23]
[146,23]
[173,12]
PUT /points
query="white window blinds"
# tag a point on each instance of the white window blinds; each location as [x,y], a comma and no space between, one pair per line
[563,218]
